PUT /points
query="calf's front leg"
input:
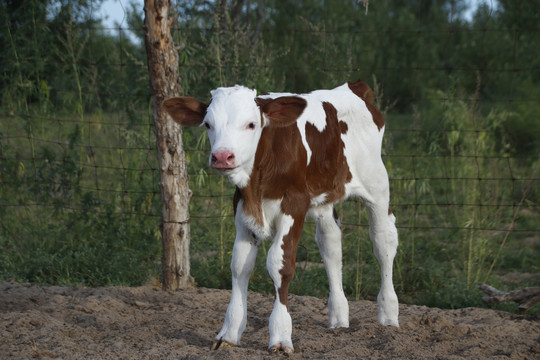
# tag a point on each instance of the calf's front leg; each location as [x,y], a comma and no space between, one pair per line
[280,264]
[242,263]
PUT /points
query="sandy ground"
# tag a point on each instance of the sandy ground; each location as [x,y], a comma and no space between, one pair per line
[148,323]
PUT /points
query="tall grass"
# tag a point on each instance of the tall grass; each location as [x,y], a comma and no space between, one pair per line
[465,184]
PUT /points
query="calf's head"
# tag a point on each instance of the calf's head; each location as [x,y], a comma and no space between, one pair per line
[235,120]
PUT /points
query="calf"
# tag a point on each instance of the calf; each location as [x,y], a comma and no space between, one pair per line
[290,156]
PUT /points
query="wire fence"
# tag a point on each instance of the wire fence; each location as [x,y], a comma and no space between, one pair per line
[79,167]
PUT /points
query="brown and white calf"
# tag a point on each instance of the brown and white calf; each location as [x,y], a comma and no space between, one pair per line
[289,156]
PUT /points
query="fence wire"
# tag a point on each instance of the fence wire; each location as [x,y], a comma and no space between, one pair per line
[79,164]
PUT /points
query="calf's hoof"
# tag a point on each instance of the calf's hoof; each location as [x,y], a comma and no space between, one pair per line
[389,322]
[274,349]
[221,345]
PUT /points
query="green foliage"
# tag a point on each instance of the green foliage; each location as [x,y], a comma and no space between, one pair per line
[79,193]
[60,222]
[52,60]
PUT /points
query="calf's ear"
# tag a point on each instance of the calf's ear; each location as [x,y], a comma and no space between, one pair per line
[186,111]
[282,111]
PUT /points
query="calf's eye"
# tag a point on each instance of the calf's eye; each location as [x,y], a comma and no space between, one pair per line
[251,126]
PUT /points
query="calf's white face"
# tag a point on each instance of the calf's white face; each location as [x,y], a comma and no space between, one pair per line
[234,121]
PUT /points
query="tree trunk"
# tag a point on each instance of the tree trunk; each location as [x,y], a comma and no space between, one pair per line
[175,193]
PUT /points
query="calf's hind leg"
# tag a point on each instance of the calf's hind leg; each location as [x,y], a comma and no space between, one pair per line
[328,237]
[384,236]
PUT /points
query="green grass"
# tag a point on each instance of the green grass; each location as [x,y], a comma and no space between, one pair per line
[77,210]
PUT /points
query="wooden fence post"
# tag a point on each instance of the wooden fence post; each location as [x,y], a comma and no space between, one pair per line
[164,82]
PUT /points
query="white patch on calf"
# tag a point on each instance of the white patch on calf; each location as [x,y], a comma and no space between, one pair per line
[271,209]
[274,259]
[314,114]
[318,200]
[280,325]
[241,176]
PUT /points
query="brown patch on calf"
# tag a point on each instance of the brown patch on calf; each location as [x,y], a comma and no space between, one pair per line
[290,244]
[343,127]
[364,92]
[276,174]
[280,171]
[328,171]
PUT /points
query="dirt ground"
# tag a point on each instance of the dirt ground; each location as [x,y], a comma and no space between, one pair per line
[148,323]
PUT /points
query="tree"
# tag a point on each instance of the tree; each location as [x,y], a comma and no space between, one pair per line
[175,193]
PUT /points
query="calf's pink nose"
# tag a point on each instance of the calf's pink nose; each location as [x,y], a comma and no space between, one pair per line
[223,160]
